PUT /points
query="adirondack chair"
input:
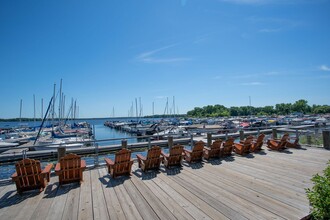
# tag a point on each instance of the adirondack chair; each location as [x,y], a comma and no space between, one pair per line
[227,147]
[174,158]
[244,146]
[29,175]
[70,169]
[257,144]
[122,164]
[152,161]
[196,154]
[294,144]
[213,151]
[278,145]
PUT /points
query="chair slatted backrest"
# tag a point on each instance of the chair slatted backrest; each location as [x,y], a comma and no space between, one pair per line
[28,172]
[261,138]
[71,166]
[284,140]
[228,145]
[122,161]
[216,144]
[175,155]
[197,151]
[153,157]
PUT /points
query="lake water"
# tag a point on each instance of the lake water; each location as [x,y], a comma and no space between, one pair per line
[101,132]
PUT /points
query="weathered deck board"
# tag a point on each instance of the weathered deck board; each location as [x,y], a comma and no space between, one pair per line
[266,185]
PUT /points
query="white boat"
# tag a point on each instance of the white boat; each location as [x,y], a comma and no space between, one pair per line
[53,144]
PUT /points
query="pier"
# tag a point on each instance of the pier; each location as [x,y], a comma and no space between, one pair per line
[265,185]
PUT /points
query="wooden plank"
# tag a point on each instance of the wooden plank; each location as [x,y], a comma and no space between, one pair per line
[85,199]
[172,205]
[230,176]
[41,211]
[129,209]
[29,209]
[215,203]
[59,202]
[71,208]
[14,202]
[212,207]
[139,201]
[184,203]
[113,205]
[244,199]
[156,204]
[100,210]
[242,205]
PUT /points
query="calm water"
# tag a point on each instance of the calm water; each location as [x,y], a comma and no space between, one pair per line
[101,132]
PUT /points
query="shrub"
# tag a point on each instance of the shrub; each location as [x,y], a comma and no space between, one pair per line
[319,195]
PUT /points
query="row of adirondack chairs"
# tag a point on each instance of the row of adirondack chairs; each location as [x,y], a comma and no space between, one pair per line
[284,142]
[29,174]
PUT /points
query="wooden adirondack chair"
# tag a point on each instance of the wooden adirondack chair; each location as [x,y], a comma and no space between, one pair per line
[275,144]
[29,175]
[243,147]
[227,147]
[122,164]
[196,154]
[257,144]
[213,151]
[70,169]
[294,144]
[174,158]
[152,161]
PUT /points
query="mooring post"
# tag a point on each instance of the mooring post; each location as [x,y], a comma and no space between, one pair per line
[191,140]
[326,139]
[96,160]
[123,143]
[274,132]
[149,143]
[60,152]
[309,139]
[241,135]
[209,139]
[170,142]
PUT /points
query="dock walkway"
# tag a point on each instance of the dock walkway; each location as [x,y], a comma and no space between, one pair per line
[267,185]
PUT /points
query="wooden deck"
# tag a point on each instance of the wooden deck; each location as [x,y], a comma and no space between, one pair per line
[268,185]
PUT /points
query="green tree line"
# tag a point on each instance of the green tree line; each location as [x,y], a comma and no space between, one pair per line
[279,109]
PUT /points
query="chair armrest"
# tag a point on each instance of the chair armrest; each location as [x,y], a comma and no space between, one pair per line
[83,164]
[140,157]
[165,155]
[58,167]
[109,162]
[187,151]
[14,176]
[238,145]
[207,148]
[48,168]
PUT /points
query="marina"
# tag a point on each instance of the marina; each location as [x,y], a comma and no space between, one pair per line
[265,185]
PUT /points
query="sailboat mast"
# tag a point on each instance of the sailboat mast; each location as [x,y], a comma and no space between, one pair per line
[20,111]
[53,109]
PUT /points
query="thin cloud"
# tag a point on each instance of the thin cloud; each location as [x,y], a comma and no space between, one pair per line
[324,68]
[160,97]
[149,56]
[251,84]
[266,2]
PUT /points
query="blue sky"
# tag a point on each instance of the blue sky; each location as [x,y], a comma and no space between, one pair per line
[201,51]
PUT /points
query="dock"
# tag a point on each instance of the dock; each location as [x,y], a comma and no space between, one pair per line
[265,185]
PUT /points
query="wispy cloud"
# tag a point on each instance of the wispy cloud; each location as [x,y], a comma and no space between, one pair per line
[324,68]
[160,97]
[251,84]
[149,56]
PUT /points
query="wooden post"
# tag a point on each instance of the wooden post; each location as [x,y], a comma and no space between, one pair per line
[170,142]
[60,152]
[274,131]
[326,139]
[209,139]
[241,135]
[191,141]
[149,143]
[309,139]
[124,143]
